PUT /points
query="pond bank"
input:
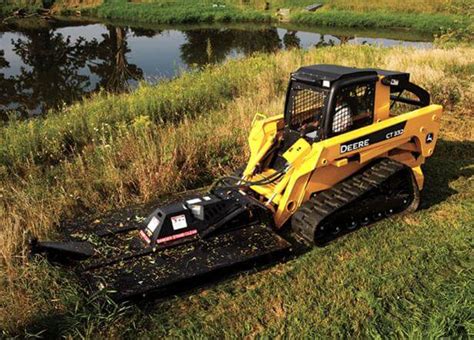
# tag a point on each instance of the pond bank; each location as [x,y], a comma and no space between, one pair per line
[185,12]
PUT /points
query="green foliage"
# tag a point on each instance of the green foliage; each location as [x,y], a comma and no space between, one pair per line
[436,17]
[454,37]
[461,7]
[10,7]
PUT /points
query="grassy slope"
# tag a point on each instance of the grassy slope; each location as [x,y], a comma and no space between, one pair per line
[422,22]
[406,276]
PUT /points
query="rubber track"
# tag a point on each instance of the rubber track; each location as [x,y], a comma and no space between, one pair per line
[311,213]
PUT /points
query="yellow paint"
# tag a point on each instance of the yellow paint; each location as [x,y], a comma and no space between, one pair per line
[381,104]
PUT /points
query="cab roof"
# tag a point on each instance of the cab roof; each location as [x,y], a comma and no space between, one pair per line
[320,72]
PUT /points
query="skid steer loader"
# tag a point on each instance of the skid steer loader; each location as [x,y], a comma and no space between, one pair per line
[340,157]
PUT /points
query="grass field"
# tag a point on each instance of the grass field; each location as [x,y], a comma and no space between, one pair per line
[165,12]
[436,17]
[421,22]
[403,277]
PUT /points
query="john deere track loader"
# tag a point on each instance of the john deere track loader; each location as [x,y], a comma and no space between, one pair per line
[339,157]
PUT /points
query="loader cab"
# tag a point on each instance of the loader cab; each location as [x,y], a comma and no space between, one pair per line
[324,101]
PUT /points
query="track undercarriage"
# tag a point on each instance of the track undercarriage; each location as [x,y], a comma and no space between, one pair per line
[384,189]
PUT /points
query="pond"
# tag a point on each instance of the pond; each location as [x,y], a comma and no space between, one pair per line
[45,66]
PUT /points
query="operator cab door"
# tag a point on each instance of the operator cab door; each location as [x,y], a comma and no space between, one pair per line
[317,113]
[350,107]
[304,112]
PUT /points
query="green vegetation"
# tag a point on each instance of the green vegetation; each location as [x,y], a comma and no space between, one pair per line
[8,9]
[436,17]
[422,22]
[178,12]
[405,277]
[371,14]
[464,7]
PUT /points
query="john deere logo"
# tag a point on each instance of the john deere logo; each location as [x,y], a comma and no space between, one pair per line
[429,137]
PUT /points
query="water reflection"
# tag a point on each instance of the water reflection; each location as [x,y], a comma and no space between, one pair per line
[113,69]
[50,63]
[215,45]
[291,40]
[44,68]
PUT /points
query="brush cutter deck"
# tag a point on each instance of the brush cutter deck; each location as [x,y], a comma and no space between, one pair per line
[179,244]
[179,267]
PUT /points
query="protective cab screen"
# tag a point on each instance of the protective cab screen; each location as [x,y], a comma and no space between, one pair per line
[354,108]
[306,106]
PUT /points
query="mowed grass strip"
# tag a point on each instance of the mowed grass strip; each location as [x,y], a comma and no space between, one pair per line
[347,288]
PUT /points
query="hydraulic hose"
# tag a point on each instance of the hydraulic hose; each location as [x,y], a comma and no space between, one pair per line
[244,183]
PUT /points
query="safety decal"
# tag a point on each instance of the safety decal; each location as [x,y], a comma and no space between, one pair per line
[179,222]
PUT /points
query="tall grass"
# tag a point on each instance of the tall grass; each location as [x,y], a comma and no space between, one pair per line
[119,149]
[52,140]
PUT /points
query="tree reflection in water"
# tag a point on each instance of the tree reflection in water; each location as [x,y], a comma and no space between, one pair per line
[6,85]
[211,45]
[114,71]
[291,40]
[52,62]
[55,70]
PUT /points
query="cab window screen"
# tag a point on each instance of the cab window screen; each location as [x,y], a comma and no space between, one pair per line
[307,105]
[354,108]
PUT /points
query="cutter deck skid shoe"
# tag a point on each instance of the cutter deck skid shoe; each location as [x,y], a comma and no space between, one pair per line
[341,156]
